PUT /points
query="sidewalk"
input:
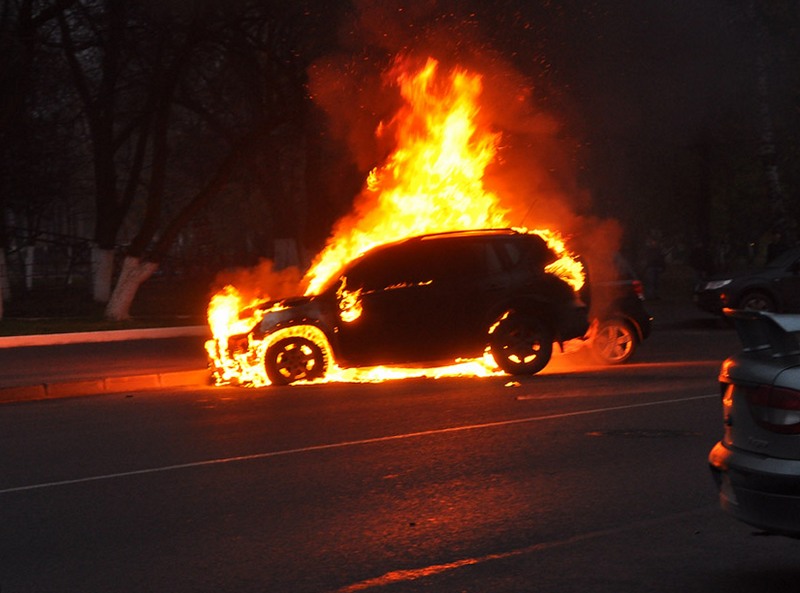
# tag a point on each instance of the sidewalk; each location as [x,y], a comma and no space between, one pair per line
[88,363]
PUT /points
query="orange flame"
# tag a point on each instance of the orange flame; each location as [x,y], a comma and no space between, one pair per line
[432,182]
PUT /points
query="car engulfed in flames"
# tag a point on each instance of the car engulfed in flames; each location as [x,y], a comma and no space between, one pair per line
[402,282]
[489,297]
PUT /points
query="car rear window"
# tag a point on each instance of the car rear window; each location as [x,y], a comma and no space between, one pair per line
[529,251]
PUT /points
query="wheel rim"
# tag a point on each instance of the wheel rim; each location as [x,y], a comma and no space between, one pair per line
[614,342]
[298,360]
[522,346]
[758,302]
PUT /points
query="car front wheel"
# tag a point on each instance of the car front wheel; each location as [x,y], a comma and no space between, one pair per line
[521,345]
[294,359]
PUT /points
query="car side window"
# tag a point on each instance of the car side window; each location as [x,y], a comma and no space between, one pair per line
[371,273]
[459,260]
[421,264]
[528,252]
[508,254]
[492,257]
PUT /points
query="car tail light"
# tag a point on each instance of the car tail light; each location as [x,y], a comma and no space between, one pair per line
[638,288]
[776,409]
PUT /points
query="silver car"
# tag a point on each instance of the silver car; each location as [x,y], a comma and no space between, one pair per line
[756,465]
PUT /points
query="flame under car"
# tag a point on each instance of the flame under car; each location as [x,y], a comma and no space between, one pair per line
[426,300]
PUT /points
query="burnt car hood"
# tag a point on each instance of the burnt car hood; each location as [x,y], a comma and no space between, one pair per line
[293,311]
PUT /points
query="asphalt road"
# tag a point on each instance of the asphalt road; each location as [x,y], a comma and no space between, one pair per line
[580,479]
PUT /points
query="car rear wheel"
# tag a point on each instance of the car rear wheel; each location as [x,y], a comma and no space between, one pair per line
[757,301]
[615,341]
[521,345]
[294,359]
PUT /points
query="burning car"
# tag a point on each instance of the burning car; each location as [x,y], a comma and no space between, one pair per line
[423,300]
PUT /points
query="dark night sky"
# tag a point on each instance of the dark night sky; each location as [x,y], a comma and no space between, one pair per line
[635,83]
[661,69]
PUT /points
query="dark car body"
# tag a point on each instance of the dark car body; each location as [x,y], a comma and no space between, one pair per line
[429,299]
[775,287]
[756,465]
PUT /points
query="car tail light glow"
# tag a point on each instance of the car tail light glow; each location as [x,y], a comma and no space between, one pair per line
[776,409]
[638,288]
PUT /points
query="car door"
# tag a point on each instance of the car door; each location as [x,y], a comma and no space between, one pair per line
[512,269]
[483,283]
[395,304]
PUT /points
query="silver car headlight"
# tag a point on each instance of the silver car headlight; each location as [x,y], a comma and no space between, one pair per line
[715,284]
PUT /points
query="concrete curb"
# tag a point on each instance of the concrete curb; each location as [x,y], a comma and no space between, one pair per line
[110,384]
[116,335]
[107,385]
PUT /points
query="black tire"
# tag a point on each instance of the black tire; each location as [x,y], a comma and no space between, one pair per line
[521,345]
[294,359]
[757,300]
[615,341]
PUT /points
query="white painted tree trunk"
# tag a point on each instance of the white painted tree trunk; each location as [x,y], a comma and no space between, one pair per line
[134,273]
[102,272]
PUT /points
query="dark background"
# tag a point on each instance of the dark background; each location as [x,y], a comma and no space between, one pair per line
[663,117]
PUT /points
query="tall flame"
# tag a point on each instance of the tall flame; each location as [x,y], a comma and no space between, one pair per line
[432,182]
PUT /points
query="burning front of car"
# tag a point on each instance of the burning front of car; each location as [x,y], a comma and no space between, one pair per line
[426,276]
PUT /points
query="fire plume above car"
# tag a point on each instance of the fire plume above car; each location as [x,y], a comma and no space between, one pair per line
[432,182]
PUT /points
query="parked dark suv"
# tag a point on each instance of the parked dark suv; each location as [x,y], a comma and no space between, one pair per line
[427,299]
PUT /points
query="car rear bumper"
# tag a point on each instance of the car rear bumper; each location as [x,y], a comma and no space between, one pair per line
[761,491]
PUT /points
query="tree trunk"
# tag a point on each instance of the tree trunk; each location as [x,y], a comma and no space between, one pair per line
[29,261]
[103,271]
[781,222]
[134,273]
[769,159]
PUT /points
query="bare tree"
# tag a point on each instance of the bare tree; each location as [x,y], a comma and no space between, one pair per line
[123,88]
[179,103]
[20,24]
[761,14]
[247,92]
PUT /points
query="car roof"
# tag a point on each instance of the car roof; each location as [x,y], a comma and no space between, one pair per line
[469,233]
[446,235]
